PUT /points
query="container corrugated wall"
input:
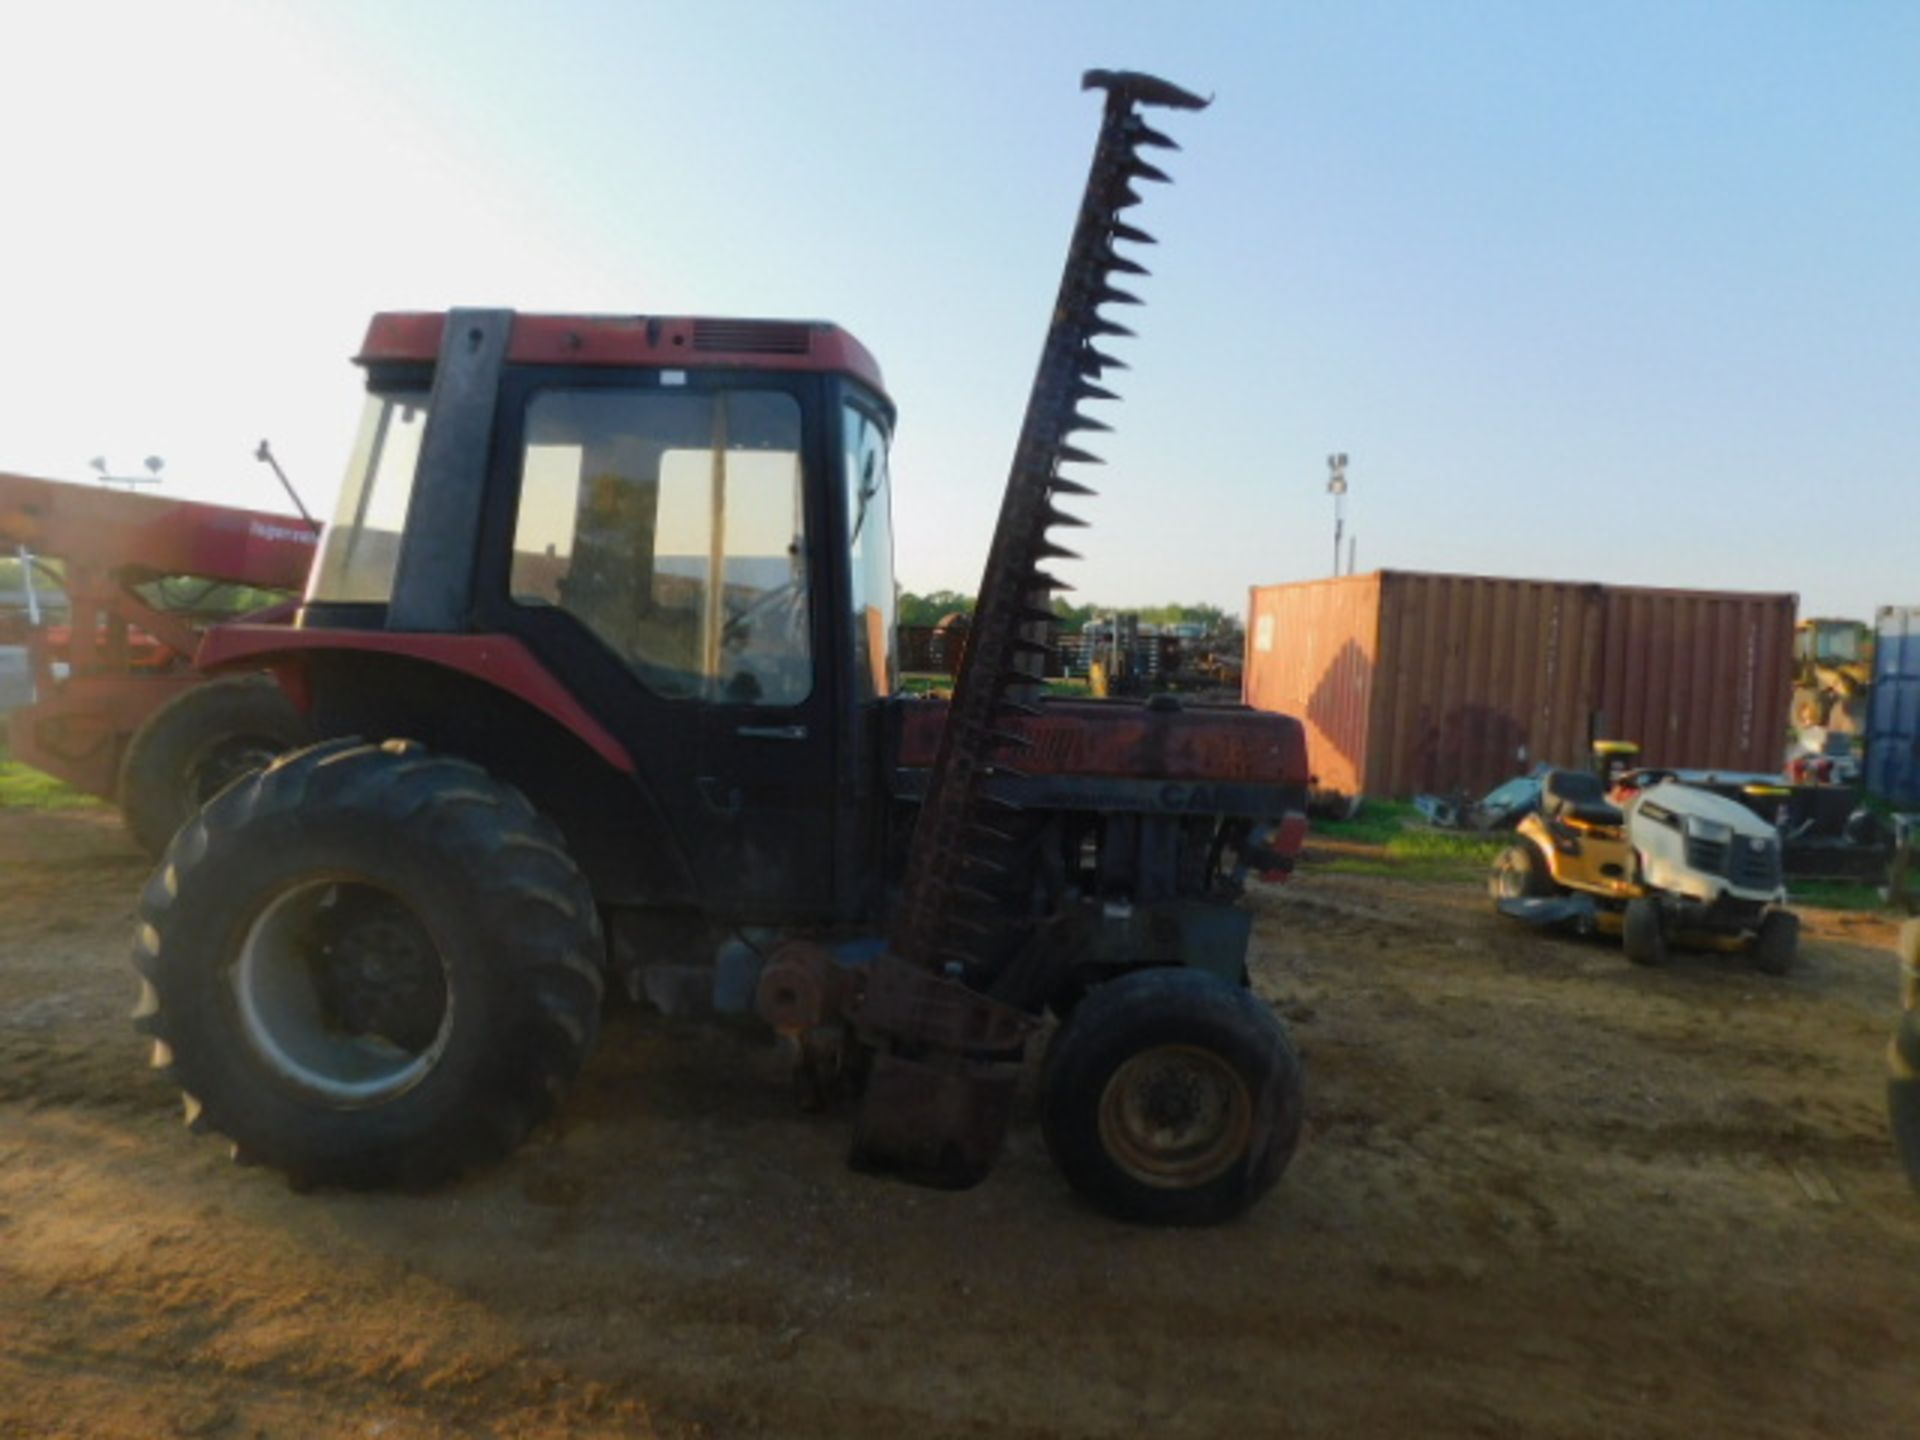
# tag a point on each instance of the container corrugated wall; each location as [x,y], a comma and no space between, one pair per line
[1410,681]
[1702,679]
[1310,654]
[1478,678]
[1893,709]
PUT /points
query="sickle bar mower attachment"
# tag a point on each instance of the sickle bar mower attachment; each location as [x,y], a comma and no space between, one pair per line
[936,1106]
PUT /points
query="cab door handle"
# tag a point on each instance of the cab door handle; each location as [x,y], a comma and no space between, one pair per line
[772,732]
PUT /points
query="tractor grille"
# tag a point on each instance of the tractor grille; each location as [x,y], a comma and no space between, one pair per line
[1750,862]
[752,337]
[1707,856]
[1756,863]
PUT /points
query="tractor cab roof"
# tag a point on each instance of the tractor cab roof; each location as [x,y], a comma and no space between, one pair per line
[645,341]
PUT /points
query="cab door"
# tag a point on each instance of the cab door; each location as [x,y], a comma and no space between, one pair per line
[662,562]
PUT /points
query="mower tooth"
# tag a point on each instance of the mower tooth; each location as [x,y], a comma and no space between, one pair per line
[1060,485]
[1043,581]
[974,860]
[1100,325]
[194,1114]
[1078,456]
[1054,552]
[1079,421]
[1125,198]
[1034,615]
[1141,133]
[1087,390]
[1052,516]
[1114,260]
[1013,738]
[1022,645]
[1096,361]
[1112,295]
[1141,170]
[1011,772]
[1120,230]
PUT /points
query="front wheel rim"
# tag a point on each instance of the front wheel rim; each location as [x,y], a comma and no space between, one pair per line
[1176,1116]
[341,991]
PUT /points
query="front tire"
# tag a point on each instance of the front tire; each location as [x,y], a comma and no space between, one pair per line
[369,965]
[1776,945]
[1643,935]
[1172,1097]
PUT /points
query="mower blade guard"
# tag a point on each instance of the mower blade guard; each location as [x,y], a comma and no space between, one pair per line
[1547,910]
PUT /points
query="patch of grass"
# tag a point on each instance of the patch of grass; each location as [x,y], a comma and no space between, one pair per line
[1403,845]
[1450,846]
[1835,895]
[1376,823]
[22,788]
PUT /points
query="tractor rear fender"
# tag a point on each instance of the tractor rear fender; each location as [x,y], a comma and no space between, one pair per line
[488,699]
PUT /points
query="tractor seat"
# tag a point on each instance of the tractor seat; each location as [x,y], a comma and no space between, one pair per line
[1577,795]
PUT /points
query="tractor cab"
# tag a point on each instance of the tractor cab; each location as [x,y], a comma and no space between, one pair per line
[689,521]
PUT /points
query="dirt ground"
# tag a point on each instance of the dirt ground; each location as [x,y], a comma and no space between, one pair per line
[1541,1193]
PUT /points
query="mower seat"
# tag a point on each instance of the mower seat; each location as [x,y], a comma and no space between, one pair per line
[1578,795]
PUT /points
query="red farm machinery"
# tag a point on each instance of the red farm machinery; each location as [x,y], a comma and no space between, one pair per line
[116,591]
[603,637]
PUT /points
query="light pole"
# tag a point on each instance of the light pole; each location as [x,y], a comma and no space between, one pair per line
[1337,487]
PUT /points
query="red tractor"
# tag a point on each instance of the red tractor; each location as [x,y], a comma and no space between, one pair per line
[118,709]
[622,590]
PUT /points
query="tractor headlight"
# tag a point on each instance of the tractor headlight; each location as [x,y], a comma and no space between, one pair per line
[1714,832]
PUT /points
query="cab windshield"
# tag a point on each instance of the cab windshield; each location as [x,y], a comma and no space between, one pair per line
[362,545]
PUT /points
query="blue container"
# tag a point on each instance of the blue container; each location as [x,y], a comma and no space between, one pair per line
[1893,713]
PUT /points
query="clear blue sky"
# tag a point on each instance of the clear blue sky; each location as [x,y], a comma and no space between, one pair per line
[1625,292]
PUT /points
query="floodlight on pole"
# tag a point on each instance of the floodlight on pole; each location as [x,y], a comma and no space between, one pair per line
[153,465]
[1337,487]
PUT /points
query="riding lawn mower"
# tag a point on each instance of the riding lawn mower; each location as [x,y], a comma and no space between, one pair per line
[1673,864]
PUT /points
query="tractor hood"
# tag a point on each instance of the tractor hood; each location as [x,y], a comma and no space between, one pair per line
[1685,800]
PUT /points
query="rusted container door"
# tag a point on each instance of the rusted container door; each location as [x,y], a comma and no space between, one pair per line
[1311,654]
[1479,678]
[1701,679]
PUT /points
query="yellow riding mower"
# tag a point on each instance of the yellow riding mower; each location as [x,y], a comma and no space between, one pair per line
[1676,865]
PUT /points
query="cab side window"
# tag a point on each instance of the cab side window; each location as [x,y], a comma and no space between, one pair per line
[671,525]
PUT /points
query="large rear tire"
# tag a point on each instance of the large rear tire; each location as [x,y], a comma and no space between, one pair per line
[196,745]
[1172,1097]
[369,965]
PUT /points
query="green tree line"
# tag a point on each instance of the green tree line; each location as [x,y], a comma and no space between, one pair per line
[935,605]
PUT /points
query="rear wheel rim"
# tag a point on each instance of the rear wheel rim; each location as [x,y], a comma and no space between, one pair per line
[1176,1116]
[342,993]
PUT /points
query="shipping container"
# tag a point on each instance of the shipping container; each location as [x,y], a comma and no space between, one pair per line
[1893,709]
[1411,682]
